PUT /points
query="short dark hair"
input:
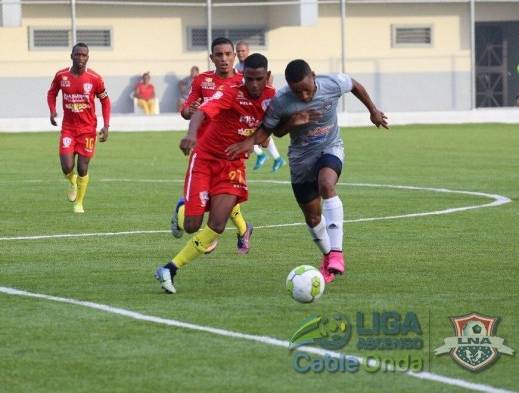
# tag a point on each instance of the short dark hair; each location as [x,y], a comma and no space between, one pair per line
[256,60]
[80,45]
[297,70]
[220,41]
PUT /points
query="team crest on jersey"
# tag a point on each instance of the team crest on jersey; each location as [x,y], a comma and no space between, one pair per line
[204,198]
[87,87]
[66,141]
[64,81]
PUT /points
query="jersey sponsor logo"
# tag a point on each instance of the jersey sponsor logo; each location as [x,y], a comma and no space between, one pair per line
[319,131]
[245,102]
[77,107]
[75,97]
[64,81]
[246,131]
[87,88]
[265,104]
[249,120]
[208,84]
[67,141]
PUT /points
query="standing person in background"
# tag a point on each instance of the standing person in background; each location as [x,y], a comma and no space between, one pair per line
[145,94]
[242,51]
[79,87]
[184,86]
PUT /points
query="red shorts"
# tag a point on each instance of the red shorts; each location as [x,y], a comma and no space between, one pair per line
[82,144]
[206,178]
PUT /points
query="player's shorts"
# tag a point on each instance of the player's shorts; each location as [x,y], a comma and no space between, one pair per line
[82,144]
[206,178]
[304,173]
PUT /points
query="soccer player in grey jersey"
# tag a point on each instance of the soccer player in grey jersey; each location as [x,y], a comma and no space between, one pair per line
[307,109]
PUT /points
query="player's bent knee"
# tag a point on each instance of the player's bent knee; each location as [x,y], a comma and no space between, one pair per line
[192,224]
[312,219]
[327,189]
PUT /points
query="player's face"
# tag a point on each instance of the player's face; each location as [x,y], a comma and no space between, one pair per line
[223,58]
[305,89]
[79,57]
[242,51]
[255,80]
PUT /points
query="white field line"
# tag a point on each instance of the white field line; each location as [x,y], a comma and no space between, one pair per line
[497,201]
[244,336]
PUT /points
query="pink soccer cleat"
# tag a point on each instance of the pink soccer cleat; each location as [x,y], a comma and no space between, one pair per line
[335,262]
[328,276]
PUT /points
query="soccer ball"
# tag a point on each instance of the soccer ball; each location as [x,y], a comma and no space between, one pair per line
[305,284]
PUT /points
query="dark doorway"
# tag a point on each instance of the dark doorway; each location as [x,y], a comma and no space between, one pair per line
[497,58]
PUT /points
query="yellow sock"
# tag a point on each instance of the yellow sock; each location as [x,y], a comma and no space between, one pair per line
[72,178]
[238,220]
[181,215]
[82,184]
[196,246]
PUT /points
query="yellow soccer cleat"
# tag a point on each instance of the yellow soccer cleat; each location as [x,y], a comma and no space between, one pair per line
[78,208]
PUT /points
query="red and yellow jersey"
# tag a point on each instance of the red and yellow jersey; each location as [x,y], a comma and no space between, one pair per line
[204,86]
[233,116]
[79,92]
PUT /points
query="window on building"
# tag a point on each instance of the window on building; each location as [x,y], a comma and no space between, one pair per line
[197,36]
[56,38]
[411,36]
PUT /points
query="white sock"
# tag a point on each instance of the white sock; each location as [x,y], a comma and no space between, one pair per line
[320,236]
[273,150]
[334,215]
[258,150]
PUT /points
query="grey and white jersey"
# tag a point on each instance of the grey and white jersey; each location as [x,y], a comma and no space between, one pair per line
[324,131]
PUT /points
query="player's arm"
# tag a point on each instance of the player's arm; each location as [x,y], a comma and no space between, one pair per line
[377,117]
[219,101]
[260,137]
[189,141]
[106,107]
[51,100]
[294,121]
[194,100]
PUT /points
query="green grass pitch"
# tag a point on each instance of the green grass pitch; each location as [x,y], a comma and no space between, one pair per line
[437,265]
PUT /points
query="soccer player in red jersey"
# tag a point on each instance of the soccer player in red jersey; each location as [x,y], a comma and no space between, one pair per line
[204,86]
[214,182]
[79,87]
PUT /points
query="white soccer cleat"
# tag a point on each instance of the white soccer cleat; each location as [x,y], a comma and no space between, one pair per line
[72,193]
[164,276]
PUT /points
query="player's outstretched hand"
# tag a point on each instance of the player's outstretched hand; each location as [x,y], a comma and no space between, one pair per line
[53,119]
[379,119]
[244,146]
[304,117]
[103,134]
[187,143]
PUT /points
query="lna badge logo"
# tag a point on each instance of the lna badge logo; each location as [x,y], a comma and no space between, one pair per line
[475,345]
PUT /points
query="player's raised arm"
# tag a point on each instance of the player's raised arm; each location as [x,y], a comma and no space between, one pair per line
[377,117]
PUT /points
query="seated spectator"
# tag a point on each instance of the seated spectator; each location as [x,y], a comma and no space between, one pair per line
[145,94]
[184,86]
